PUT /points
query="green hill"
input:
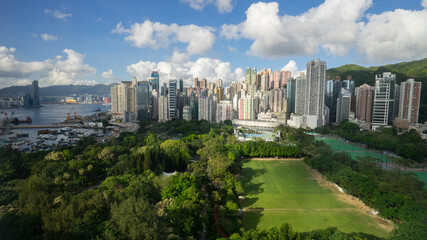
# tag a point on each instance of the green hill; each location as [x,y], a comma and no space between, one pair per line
[404,70]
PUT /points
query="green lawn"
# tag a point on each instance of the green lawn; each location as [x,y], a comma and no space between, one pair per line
[285,191]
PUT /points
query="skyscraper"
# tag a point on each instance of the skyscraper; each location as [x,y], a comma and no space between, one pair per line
[163,108]
[410,95]
[173,99]
[251,76]
[196,82]
[36,97]
[365,103]
[384,99]
[314,108]
[291,95]
[343,105]
[206,108]
[143,100]
[155,80]
[333,89]
[285,76]
[264,82]
[276,79]
[300,82]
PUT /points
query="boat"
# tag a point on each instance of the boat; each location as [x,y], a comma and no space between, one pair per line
[22,135]
[97,110]
[47,131]
[16,120]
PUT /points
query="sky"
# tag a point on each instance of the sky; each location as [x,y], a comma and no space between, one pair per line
[104,41]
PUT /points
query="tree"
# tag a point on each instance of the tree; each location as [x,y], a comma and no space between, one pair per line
[135,218]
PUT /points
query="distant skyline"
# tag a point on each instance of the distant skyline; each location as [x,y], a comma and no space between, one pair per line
[89,42]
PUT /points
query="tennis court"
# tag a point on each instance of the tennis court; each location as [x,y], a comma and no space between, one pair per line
[354,151]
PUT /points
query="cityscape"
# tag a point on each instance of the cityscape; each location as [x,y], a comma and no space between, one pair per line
[213,120]
[310,100]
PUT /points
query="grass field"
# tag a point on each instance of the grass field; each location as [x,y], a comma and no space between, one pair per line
[288,191]
[422,176]
[353,151]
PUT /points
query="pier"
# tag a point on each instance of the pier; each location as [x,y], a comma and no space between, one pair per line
[49,126]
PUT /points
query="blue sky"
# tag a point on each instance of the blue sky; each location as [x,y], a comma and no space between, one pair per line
[88,42]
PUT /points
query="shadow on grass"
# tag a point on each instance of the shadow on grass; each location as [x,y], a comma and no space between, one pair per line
[249,201]
[251,173]
[251,219]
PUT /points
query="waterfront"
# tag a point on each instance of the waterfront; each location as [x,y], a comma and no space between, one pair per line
[48,115]
[53,113]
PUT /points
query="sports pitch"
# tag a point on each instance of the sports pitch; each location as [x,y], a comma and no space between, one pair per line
[288,191]
[352,150]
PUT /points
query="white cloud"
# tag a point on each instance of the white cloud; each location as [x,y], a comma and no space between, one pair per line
[332,25]
[292,67]
[56,71]
[58,14]
[230,31]
[232,49]
[397,35]
[47,37]
[69,71]
[223,6]
[208,68]
[335,26]
[12,68]
[179,57]
[155,35]
[108,75]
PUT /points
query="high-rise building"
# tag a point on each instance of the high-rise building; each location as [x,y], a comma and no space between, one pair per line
[264,82]
[219,82]
[285,76]
[365,103]
[314,109]
[122,97]
[291,88]
[181,85]
[333,89]
[251,76]
[383,113]
[349,84]
[143,100]
[187,113]
[300,82]
[173,99]
[410,95]
[246,108]
[220,93]
[276,100]
[276,79]
[155,80]
[206,108]
[36,97]
[196,82]
[343,105]
[123,101]
[155,105]
[204,83]
[224,111]
[163,108]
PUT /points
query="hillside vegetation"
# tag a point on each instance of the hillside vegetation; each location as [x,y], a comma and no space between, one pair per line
[404,70]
